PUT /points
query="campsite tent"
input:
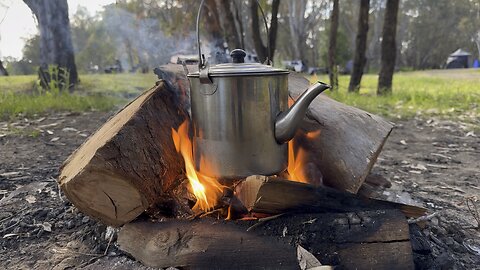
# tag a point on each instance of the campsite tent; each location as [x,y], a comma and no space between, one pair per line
[458,59]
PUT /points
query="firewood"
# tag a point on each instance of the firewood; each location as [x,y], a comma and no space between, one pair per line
[355,240]
[273,195]
[349,139]
[130,163]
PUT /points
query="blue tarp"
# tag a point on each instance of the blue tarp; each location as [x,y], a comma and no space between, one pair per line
[476,64]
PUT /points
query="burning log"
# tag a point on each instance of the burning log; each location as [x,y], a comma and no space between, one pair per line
[273,195]
[340,141]
[130,163]
[355,240]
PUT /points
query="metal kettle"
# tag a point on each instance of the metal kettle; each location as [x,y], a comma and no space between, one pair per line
[240,116]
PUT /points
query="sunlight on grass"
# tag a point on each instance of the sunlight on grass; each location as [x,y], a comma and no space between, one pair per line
[122,84]
[441,93]
[95,92]
[13,105]
[17,83]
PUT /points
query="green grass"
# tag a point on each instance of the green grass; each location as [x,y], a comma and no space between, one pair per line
[444,93]
[14,105]
[100,92]
[118,84]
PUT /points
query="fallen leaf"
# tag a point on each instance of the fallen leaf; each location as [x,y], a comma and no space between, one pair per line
[419,167]
[311,221]
[46,226]
[69,129]
[9,235]
[470,134]
[30,199]
[9,174]
[306,260]
[55,139]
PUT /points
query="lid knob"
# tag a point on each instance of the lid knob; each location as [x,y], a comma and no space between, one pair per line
[238,56]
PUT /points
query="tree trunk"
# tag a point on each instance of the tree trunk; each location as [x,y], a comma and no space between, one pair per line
[332,47]
[257,24]
[56,46]
[389,48]
[360,47]
[229,29]
[3,71]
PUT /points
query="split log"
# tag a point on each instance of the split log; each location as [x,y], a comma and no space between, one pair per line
[130,163]
[349,141]
[273,195]
[357,240]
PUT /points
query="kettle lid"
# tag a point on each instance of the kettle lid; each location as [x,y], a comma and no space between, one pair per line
[239,68]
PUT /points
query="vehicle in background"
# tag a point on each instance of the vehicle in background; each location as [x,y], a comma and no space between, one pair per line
[189,59]
[295,65]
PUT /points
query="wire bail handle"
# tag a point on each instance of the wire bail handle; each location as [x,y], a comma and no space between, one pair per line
[202,63]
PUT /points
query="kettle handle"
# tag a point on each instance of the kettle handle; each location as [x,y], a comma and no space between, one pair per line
[201,58]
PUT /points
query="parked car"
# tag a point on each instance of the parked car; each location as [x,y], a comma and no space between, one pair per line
[295,65]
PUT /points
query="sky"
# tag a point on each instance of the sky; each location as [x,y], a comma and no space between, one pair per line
[17,22]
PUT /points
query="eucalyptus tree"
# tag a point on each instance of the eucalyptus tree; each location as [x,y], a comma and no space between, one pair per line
[56,47]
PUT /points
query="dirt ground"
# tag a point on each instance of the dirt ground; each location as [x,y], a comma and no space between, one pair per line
[428,161]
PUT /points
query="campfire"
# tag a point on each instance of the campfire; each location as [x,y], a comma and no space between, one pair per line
[208,191]
[139,172]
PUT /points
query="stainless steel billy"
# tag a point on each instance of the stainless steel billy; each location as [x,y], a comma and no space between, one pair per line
[241,118]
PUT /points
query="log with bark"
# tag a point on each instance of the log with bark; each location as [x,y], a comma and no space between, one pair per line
[130,163]
[350,139]
[355,240]
[273,195]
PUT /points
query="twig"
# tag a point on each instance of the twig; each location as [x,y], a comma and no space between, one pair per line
[473,210]
[423,218]
[9,227]
[210,212]
[108,246]
[90,261]
[76,253]
[263,221]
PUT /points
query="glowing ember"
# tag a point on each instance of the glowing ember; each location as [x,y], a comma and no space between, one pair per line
[207,190]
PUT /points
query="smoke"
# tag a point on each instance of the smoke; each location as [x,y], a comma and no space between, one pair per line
[140,41]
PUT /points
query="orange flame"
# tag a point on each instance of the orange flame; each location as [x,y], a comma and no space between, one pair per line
[297,160]
[206,189]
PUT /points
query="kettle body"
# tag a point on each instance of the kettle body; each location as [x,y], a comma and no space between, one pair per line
[233,120]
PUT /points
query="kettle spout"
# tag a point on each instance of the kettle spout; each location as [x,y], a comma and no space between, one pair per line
[287,122]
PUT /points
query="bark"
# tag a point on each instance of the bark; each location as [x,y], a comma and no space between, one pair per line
[130,163]
[56,46]
[274,195]
[257,24]
[332,46]
[355,240]
[3,71]
[360,47]
[389,48]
